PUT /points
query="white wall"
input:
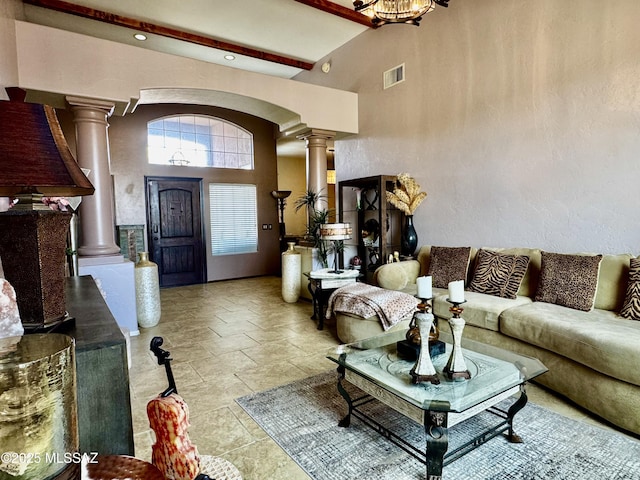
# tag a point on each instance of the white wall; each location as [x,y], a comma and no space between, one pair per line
[10,10]
[64,63]
[521,119]
[292,176]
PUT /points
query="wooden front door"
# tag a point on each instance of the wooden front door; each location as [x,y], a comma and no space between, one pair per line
[176,238]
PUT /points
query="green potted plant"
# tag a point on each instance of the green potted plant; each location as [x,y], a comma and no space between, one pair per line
[316,217]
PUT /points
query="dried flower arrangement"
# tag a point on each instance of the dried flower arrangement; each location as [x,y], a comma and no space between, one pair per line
[406,196]
[57,204]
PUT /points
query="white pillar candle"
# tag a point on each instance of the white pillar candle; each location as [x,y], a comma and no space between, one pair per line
[456,291]
[424,287]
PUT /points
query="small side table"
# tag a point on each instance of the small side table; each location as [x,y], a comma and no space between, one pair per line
[322,283]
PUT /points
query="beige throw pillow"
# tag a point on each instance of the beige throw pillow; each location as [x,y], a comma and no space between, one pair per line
[631,305]
[569,280]
[448,264]
[498,274]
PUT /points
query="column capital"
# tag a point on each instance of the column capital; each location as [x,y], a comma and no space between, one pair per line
[105,106]
[316,133]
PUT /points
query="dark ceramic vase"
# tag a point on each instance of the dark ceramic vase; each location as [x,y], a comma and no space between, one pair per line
[409,237]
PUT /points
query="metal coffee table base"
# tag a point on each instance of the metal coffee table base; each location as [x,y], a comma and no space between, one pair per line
[436,424]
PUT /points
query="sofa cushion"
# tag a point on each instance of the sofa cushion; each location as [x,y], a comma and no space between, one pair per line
[598,339]
[423,257]
[612,281]
[351,328]
[480,310]
[498,274]
[631,306]
[569,280]
[448,264]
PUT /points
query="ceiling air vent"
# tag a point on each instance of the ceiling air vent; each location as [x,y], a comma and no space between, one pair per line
[394,76]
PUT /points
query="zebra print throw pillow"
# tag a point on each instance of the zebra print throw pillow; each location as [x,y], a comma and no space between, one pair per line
[498,274]
[448,264]
[569,280]
[631,305]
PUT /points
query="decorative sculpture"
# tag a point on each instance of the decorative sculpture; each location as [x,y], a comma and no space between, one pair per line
[173,453]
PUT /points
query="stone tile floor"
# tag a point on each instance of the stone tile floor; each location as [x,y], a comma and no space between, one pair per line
[229,339]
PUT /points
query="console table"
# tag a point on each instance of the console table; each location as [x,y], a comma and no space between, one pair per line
[102,374]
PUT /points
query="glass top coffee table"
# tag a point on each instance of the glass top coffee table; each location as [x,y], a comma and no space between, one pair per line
[373,365]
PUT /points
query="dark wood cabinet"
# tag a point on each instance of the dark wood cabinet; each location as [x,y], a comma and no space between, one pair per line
[102,374]
[377,225]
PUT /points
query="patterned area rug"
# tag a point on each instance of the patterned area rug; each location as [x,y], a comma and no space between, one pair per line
[302,418]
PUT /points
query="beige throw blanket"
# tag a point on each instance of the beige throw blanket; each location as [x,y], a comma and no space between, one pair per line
[366,301]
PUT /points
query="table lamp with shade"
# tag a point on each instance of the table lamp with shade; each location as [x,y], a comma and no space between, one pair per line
[335,232]
[36,162]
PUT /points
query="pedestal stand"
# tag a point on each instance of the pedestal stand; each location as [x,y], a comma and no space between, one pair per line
[281,199]
[456,367]
[423,371]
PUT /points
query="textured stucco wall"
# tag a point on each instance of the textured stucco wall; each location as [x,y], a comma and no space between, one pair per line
[129,166]
[520,119]
[97,68]
[292,176]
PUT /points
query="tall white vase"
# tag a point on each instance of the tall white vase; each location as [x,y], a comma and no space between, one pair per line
[291,272]
[147,292]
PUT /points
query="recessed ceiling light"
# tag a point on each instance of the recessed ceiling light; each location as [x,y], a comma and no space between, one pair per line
[140,36]
[229,57]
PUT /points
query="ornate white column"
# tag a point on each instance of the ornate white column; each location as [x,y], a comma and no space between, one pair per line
[317,160]
[99,256]
[92,149]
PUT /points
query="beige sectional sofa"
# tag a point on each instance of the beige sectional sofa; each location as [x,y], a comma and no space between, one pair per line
[593,356]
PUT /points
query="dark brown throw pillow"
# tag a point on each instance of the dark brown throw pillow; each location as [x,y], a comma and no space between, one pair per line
[498,274]
[631,305]
[448,264]
[569,280]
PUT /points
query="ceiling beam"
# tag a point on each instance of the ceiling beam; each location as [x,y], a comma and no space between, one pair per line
[138,25]
[340,11]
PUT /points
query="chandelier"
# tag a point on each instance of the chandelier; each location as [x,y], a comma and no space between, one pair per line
[397,11]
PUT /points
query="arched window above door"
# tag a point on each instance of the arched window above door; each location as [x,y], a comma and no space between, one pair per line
[199,141]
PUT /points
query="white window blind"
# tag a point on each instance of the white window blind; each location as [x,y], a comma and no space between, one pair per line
[234,218]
